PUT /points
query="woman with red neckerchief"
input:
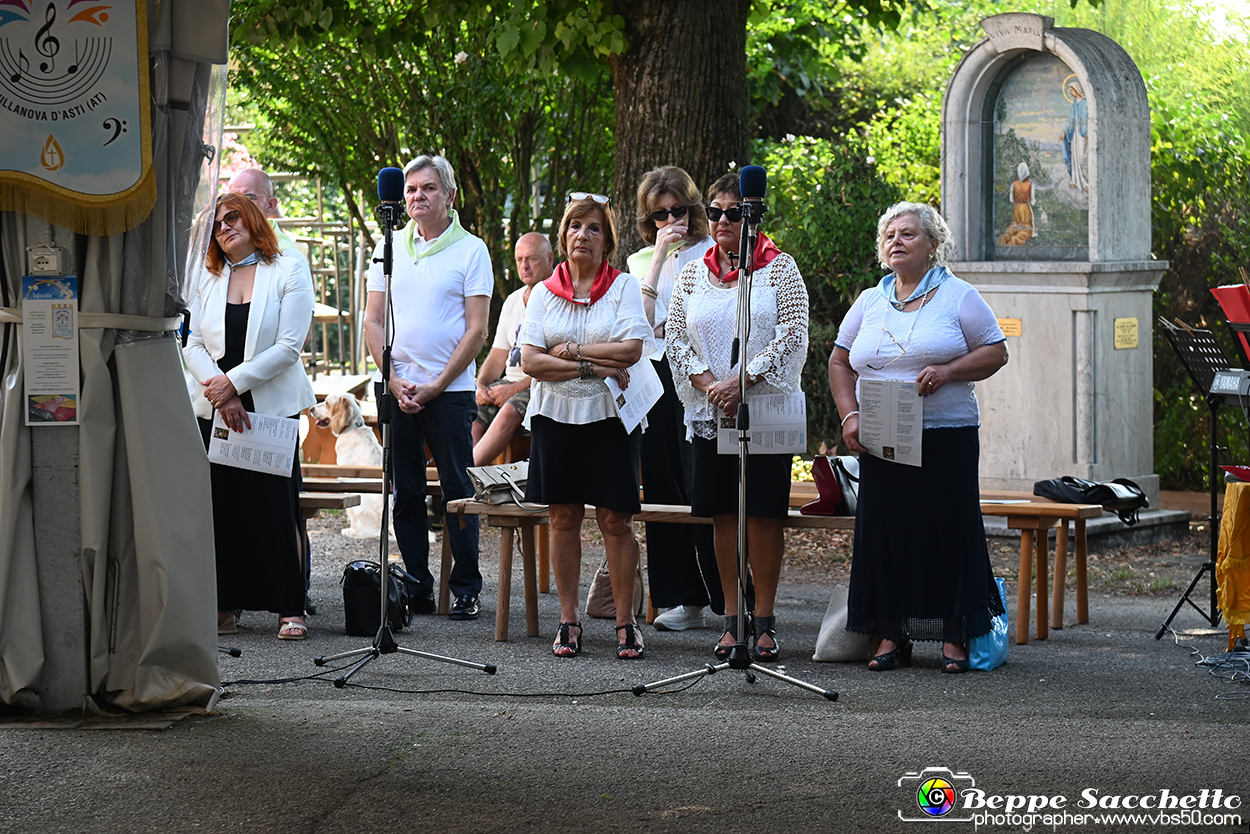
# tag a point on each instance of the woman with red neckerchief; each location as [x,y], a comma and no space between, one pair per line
[701,327]
[583,324]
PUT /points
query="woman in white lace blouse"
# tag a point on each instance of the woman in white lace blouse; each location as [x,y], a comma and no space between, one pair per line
[921,570]
[701,324]
[583,324]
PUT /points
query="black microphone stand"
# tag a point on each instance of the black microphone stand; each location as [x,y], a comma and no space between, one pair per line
[739,654]
[390,216]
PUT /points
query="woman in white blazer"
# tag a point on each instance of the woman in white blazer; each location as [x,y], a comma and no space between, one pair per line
[250,316]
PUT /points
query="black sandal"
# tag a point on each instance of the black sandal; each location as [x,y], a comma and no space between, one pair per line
[953,666]
[630,644]
[764,625]
[566,647]
[721,652]
[900,656]
[956,667]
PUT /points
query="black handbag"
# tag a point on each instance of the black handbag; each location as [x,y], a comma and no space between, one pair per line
[362,595]
[1121,496]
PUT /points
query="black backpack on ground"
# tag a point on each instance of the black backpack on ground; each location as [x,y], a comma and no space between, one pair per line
[361,598]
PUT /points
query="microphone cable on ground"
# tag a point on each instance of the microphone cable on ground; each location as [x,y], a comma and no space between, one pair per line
[323,676]
[1233,667]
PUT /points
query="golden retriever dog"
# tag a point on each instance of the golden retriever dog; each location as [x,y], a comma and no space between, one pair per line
[355,445]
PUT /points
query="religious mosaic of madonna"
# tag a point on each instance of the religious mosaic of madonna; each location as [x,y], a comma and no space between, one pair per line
[1040,196]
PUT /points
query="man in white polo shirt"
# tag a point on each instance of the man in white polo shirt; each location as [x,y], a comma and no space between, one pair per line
[440,295]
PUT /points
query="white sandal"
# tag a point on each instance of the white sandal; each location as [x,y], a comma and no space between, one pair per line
[292,630]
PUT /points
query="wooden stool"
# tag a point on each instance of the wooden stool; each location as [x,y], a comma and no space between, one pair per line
[507,525]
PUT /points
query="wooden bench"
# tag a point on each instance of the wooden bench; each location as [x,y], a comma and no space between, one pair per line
[311,503]
[1034,517]
[1034,520]
[511,518]
[1030,517]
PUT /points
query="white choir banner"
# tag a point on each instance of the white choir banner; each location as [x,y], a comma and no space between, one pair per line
[75,132]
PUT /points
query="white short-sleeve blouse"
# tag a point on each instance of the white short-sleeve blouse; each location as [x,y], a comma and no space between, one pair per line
[889,344]
[551,321]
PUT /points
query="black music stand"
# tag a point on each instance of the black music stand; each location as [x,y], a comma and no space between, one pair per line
[1202,357]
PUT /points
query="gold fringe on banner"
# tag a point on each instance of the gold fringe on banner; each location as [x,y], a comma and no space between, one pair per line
[83,213]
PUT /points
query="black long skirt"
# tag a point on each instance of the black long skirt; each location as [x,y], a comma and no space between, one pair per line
[921,567]
[595,463]
[716,483]
[260,561]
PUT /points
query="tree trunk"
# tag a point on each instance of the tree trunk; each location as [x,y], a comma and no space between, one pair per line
[681,97]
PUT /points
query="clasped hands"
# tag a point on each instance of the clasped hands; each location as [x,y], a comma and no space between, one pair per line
[222,395]
[724,393]
[409,396]
[497,394]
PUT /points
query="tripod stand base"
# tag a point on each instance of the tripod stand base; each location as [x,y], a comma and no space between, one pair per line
[1213,618]
[384,643]
[748,669]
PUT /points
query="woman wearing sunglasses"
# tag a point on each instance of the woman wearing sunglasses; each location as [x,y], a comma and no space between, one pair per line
[681,558]
[250,316]
[583,324]
[921,570]
[701,327]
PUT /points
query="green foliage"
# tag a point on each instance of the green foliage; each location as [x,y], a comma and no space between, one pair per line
[906,143]
[571,37]
[825,198]
[1201,218]
[341,110]
[799,53]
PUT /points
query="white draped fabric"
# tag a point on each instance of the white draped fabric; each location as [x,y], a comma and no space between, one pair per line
[143,485]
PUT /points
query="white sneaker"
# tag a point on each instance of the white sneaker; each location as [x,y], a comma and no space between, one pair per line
[681,618]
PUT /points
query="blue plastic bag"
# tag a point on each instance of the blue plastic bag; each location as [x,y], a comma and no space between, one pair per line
[989,651]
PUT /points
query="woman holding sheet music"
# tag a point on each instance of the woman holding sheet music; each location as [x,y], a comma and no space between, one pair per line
[701,327]
[250,315]
[583,324]
[921,570]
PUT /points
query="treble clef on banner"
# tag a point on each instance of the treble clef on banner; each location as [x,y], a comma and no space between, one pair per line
[45,42]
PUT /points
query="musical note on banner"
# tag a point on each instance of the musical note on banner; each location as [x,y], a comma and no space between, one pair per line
[46,43]
[23,65]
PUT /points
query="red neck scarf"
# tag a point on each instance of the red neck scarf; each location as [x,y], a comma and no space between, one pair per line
[765,251]
[561,282]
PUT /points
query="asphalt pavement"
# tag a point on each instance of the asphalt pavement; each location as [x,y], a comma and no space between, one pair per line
[1096,713]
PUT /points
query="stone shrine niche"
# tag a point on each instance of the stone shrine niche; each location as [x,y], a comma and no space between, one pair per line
[1039,181]
[1068,105]
[1046,189]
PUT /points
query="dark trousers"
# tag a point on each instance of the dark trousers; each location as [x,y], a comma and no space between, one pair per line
[444,425]
[681,558]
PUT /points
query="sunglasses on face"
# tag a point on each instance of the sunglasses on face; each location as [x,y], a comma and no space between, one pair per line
[661,215]
[733,215]
[230,218]
[586,195]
